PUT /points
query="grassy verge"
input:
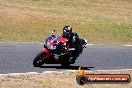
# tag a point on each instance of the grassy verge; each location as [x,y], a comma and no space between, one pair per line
[55,80]
[98,21]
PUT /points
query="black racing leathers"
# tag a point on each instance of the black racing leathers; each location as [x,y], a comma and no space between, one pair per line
[74,42]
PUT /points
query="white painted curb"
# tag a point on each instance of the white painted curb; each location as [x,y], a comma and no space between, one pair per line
[116,70]
[127,45]
[31,73]
[89,44]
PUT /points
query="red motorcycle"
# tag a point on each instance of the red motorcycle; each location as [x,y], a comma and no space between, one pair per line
[56,51]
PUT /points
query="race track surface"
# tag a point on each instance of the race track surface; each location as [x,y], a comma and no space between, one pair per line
[18,58]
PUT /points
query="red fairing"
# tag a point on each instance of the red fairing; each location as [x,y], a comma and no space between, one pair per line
[48,54]
[52,42]
[63,40]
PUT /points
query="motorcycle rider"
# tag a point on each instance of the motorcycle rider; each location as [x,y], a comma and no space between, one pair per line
[72,37]
[73,40]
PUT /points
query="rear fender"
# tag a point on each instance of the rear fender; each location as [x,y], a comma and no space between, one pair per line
[48,54]
[83,41]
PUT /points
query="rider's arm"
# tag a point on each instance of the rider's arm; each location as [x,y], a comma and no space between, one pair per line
[75,37]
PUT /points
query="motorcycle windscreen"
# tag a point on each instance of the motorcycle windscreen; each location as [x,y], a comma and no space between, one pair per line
[53,44]
[49,42]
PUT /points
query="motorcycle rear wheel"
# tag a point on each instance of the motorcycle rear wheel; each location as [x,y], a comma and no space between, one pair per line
[39,59]
[65,62]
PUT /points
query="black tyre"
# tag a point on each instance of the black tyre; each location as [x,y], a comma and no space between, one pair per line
[65,62]
[81,80]
[39,59]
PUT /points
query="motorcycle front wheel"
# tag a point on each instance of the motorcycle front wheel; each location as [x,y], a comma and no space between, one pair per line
[39,59]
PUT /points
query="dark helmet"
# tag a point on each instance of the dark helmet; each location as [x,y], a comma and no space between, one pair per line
[67,31]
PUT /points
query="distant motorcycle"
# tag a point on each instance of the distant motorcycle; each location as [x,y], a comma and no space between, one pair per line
[57,51]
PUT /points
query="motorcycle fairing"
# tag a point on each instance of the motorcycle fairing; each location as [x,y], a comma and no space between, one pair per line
[62,40]
[48,54]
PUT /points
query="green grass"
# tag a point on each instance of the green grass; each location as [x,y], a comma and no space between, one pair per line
[98,21]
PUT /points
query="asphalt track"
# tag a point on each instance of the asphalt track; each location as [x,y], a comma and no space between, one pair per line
[18,57]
